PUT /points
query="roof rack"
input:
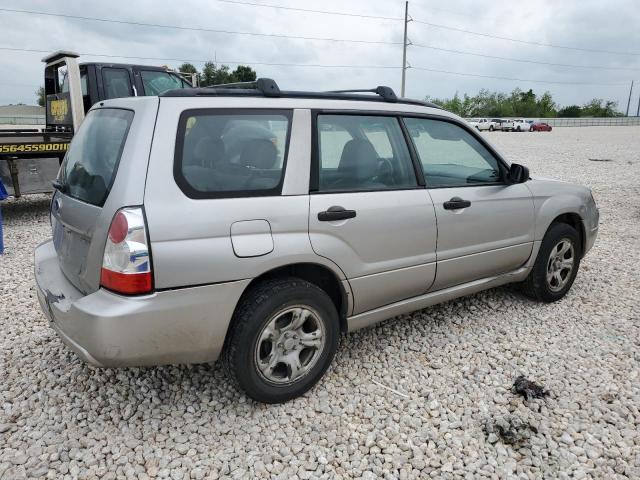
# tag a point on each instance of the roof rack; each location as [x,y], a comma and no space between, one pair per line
[267,87]
[386,93]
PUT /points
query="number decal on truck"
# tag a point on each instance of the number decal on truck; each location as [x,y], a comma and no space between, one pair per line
[34,147]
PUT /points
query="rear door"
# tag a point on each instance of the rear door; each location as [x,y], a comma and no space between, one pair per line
[368,213]
[485,225]
[104,170]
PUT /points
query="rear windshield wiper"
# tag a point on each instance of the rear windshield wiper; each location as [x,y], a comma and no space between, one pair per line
[61,187]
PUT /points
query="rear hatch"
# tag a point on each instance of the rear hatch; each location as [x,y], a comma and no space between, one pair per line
[102,172]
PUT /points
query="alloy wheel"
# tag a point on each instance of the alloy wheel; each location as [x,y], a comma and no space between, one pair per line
[560,265]
[289,345]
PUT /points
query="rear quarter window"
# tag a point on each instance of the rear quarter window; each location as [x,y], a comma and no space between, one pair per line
[231,153]
[90,165]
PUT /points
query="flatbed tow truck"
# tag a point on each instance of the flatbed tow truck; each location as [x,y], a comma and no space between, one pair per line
[29,160]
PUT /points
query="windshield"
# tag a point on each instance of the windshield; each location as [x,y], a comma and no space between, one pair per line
[90,165]
[157,82]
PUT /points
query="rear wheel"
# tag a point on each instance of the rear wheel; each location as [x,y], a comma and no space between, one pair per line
[491,128]
[283,338]
[556,266]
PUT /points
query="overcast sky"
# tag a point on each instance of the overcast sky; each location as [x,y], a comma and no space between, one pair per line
[588,24]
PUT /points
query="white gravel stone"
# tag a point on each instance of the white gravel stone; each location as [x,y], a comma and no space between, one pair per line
[455,362]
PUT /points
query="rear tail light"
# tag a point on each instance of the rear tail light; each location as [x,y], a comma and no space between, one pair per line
[126,265]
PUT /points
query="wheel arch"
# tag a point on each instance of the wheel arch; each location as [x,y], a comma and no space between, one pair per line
[574,220]
[320,275]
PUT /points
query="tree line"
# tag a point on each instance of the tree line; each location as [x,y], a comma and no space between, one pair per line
[214,74]
[521,103]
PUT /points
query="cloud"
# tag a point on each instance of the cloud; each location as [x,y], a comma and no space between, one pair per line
[588,24]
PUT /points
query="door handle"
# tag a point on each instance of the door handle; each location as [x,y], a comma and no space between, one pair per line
[456,203]
[336,213]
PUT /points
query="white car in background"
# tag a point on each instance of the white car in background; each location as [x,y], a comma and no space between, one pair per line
[481,124]
[516,125]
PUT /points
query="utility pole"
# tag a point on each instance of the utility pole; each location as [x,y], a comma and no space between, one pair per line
[404,47]
[629,101]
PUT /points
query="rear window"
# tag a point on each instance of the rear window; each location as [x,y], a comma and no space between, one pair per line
[222,153]
[90,165]
[156,82]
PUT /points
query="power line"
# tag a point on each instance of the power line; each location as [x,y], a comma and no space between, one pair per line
[317,65]
[324,39]
[197,29]
[226,62]
[539,44]
[512,59]
[308,10]
[333,12]
[515,79]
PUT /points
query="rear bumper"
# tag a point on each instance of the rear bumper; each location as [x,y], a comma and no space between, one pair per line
[186,325]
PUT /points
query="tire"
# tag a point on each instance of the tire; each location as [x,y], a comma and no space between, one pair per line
[519,128]
[262,331]
[538,285]
[491,128]
[531,129]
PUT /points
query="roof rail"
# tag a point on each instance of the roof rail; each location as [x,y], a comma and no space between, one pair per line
[266,86]
[386,93]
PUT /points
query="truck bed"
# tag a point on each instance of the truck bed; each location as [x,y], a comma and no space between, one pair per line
[16,143]
[30,160]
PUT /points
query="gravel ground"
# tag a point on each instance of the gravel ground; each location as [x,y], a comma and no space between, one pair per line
[425,395]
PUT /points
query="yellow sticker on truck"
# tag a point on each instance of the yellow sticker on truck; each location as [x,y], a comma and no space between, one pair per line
[59,109]
[34,147]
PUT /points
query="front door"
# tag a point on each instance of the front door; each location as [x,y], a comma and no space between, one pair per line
[367,212]
[485,224]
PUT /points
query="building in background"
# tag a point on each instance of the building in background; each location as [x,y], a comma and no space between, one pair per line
[21,116]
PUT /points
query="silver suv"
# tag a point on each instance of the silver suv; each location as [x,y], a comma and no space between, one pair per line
[257,225]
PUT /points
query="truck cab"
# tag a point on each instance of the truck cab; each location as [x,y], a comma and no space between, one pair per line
[32,159]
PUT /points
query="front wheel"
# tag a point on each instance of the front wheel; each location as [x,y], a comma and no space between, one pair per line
[283,337]
[531,129]
[491,128]
[556,266]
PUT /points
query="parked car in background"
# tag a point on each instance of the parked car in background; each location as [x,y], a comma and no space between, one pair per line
[483,124]
[516,125]
[497,123]
[540,127]
[257,225]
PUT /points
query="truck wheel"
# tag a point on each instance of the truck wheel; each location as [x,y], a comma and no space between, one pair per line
[491,128]
[282,339]
[556,266]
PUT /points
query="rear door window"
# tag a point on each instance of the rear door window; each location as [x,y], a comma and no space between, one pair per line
[359,153]
[117,83]
[231,153]
[90,165]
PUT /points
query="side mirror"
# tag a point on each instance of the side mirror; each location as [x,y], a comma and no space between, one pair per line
[518,173]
